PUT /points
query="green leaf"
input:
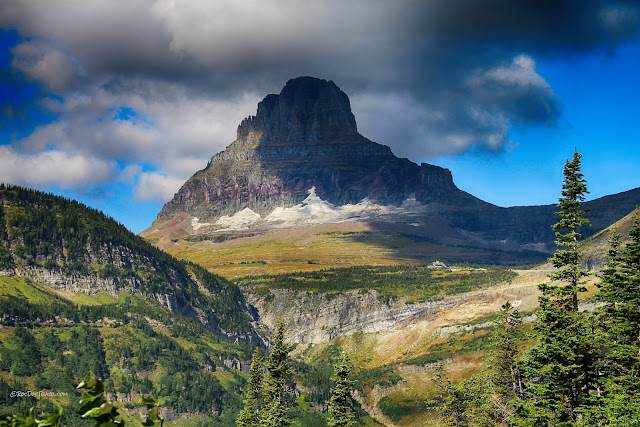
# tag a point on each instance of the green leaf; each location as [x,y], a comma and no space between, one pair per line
[106,408]
[86,407]
[53,420]
[93,413]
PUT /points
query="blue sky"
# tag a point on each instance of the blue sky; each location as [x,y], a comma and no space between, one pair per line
[598,93]
[118,104]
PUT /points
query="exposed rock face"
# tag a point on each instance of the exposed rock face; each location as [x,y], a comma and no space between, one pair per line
[319,317]
[302,138]
[307,110]
[306,138]
[316,318]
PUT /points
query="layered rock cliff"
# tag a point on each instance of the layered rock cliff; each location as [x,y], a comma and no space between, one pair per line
[302,149]
[302,138]
[320,317]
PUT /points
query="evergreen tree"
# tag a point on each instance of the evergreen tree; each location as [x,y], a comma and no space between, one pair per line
[341,414]
[249,416]
[620,316]
[275,414]
[275,383]
[569,260]
[451,404]
[5,255]
[560,369]
[506,377]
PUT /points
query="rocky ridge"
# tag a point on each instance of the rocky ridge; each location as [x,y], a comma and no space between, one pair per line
[306,137]
[313,318]
[304,143]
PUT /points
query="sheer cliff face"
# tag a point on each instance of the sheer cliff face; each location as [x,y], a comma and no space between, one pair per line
[306,137]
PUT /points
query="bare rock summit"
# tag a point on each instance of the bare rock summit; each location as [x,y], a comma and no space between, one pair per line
[306,137]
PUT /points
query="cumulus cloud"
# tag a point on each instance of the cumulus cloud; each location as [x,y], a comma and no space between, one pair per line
[163,123]
[53,167]
[517,89]
[250,32]
[156,187]
[478,116]
[163,83]
[165,127]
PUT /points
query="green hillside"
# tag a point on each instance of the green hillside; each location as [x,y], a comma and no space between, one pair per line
[49,343]
[73,247]
[595,247]
[79,293]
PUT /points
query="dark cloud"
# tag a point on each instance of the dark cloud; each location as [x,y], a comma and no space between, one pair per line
[549,26]
[425,77]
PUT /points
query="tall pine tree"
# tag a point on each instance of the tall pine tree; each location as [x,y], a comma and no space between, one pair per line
[340,404]
[506,377]
[560,368]
[620,316]
[274,409]
[250,414]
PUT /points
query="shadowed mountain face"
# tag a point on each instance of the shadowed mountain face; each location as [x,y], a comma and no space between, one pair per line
[301,154]
[307,137]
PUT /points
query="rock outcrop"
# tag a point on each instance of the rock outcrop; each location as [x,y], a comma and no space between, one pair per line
[312,318]
[317,318]
[306,138]
[302,138]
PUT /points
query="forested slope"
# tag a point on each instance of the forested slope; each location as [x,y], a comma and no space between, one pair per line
[74,248]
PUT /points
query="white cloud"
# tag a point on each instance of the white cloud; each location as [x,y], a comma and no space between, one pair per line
[153,186]
[175,132]
[416,131]
[515,92]
[171,130]
[267,31]
[99,32]
[53,167]
[521,73]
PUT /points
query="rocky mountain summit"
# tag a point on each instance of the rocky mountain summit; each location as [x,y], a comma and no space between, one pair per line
[302,138]
[301,161]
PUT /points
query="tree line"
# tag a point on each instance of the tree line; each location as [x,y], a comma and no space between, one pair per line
[584,366]
[265,403]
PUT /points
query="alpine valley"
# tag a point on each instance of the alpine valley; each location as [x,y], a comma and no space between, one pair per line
[300,185]
[300,219]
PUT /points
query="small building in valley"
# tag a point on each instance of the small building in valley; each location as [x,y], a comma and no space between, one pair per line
[439,265]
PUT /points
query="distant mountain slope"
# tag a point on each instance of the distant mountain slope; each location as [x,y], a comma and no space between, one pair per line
[594,249]
[72,247]
[532,224]
[301,162]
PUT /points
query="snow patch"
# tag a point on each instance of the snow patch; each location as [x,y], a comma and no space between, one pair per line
[195,223]
[242,219]
[314,210]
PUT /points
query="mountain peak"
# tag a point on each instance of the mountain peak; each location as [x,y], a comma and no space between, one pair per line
[307,109]
[306,136]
